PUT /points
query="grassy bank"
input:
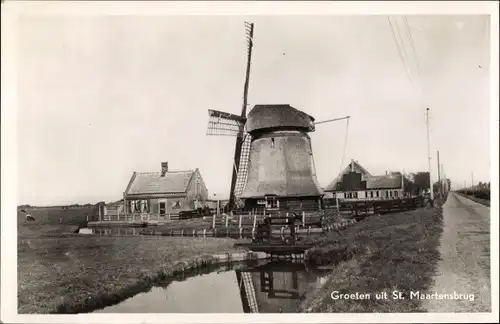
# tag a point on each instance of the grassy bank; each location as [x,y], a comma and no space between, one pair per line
[394,252]
[485,202]
[77,274]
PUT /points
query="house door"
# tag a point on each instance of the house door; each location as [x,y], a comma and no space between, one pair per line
[163,208]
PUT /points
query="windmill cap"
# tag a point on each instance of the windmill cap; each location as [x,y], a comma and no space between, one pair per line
[278,116]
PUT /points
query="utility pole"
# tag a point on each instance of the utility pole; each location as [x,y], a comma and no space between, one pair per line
[439,176]
[429,156]
[472,183]
[444,182]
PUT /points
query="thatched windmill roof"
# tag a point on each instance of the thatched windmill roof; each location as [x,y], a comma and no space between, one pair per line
[278,116]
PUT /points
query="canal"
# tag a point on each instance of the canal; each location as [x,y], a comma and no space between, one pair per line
[257,287]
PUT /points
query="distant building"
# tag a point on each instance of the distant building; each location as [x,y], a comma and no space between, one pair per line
[165,192]
[356,183]
[114,208]
[212,203]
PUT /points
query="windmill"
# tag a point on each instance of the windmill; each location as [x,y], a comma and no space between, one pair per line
[258,130]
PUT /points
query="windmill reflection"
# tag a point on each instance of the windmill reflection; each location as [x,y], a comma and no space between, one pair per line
[274,287]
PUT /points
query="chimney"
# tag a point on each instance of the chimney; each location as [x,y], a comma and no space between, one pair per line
[164,168]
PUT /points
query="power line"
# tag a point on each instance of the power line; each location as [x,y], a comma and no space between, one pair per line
[398,32]
[413,47]
[345,144]
[415,56]
[399,50]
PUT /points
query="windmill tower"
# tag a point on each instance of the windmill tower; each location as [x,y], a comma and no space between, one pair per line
[273,162]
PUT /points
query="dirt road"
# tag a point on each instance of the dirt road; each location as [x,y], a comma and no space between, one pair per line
[465,265]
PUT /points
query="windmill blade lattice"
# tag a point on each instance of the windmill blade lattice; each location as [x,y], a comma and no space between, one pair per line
[224,124]
[241,178]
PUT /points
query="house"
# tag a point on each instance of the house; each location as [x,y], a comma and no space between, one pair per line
[356,183]
[165,192]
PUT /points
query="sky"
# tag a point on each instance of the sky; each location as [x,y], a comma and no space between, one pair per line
[100,97]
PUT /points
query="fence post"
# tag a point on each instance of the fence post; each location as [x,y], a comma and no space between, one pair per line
[213,221]
[239,223]
[304,219]
[204,232]
[241,232]
[227,220]
[254,221]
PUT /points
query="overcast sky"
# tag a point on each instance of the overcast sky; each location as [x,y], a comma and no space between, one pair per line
[100,97]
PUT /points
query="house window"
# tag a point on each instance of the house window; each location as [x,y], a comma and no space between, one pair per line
[355,195]
[139,206]
[387,193]
[371,194]
[378,194]
[395,193]
[272,142]
[176,204]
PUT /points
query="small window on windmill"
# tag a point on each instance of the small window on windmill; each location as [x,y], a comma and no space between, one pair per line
[272,203]
[272,142]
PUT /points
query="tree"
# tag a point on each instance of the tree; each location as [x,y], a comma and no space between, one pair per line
[421,181]
[408,184]
[436,187]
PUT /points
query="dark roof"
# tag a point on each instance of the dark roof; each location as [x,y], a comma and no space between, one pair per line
[154,183]
[356,166]
[278,116]
[390,181]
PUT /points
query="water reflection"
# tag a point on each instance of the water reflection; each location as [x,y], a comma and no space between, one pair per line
[276,287]
[262,287]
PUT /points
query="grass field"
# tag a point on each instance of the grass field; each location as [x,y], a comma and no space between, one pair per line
[394,252]
[47,221]
[80,273]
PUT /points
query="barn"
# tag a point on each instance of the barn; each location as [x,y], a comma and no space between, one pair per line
[165,193]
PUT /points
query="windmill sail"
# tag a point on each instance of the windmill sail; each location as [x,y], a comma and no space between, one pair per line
[243,167]
[224,124]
